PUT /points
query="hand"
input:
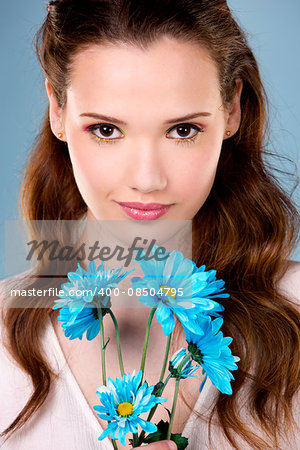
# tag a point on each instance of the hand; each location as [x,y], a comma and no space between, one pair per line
[161,445]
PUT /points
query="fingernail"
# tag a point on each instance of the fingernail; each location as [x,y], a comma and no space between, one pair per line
[172,445]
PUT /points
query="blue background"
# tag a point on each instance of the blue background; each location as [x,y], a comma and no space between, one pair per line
[272,28]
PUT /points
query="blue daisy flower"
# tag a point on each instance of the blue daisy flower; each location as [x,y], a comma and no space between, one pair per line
[123,401]
[210,287]
[177,286]
[211,350]
[187,368]
[76,322]
[83,296]
[85,286]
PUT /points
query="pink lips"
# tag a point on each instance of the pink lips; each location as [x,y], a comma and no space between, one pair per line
[144,211]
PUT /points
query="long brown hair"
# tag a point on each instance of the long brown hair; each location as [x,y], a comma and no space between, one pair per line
[246,229]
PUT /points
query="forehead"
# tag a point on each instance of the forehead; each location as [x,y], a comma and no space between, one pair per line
[168,70]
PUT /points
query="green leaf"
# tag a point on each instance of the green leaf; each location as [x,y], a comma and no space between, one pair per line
[161,434]
[169,412]
[181,441]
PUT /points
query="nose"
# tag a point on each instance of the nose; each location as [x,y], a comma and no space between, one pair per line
[146,171]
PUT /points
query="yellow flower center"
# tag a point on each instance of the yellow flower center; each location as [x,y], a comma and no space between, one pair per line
[125,409]
[167,290]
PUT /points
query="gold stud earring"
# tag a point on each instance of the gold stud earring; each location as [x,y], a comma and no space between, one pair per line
[60,135]
[228,133]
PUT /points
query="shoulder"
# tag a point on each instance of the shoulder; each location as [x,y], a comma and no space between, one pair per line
[289,283]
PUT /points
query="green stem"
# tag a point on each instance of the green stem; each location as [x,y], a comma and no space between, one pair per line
[173,407]
[146,342]
[152,411]
[165,384]
[186,358]
[166,357]
[102,345]
[114,444]
[100,316]
[118,342]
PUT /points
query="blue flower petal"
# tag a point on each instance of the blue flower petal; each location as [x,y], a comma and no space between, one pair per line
[217,360]
[104,434]
[194,287]
[163,313]
[147,426]
[125,390]
[168,325]
[75,318]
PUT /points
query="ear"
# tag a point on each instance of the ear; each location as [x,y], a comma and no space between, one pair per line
[55,113]
[234,114]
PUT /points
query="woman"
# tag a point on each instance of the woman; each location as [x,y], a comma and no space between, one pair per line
[160,102]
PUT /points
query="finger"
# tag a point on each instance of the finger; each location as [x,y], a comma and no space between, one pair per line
[161,445]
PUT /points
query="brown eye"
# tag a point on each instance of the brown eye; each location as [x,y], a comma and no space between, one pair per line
[184,131]
[106,130]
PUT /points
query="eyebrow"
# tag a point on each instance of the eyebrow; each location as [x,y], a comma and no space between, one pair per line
[121,122]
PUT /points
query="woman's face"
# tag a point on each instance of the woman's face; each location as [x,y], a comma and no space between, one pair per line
[144,127]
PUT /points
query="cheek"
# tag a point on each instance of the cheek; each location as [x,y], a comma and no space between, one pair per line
[94,174]
[197,173]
